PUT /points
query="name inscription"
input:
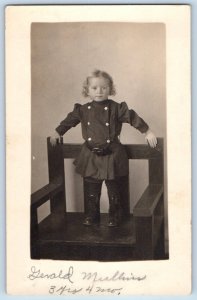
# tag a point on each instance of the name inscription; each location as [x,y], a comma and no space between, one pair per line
[38,274]
[90,282]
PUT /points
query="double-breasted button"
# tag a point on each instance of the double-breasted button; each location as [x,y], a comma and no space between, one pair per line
[89,107]
[105,108]
[108,141]
[89,139]
[107,124]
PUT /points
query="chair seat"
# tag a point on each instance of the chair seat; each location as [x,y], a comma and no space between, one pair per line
[68,238]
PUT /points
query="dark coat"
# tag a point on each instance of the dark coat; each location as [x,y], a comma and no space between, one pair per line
[101,124]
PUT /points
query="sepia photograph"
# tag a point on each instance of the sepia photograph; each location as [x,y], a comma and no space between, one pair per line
[98,186]
[106,187]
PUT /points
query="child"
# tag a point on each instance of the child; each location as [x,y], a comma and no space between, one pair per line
[102,157]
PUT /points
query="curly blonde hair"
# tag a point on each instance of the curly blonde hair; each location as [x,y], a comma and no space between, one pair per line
[96,74]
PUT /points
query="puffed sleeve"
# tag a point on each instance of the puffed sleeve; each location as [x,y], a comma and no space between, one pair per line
[72,119]
[126,115]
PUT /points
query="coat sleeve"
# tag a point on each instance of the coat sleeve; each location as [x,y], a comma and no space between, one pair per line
[72,119]
[126,115]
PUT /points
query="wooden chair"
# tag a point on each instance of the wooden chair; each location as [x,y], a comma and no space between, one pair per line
[61,235]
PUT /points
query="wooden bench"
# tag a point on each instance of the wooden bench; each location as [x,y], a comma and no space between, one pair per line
[61,235]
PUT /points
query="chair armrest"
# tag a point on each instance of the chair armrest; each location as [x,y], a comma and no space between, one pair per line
[148,201]
[42,195]
[149,223]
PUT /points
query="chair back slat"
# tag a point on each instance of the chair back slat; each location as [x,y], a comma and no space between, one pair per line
[139,151]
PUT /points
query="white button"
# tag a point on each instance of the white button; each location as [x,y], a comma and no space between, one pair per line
[89,107]
[105,108]
[88,123]
[107,124]
[89,139]
[108,141]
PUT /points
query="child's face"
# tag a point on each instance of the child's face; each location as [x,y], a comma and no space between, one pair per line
[98,89]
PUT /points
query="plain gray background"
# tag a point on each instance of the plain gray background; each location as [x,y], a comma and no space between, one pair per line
[62,56]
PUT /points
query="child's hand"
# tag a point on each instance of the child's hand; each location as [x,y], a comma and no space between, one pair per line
[54,138]
[151,138]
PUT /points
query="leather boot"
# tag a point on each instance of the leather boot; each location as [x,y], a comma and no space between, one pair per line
[115,212]
[92,210]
